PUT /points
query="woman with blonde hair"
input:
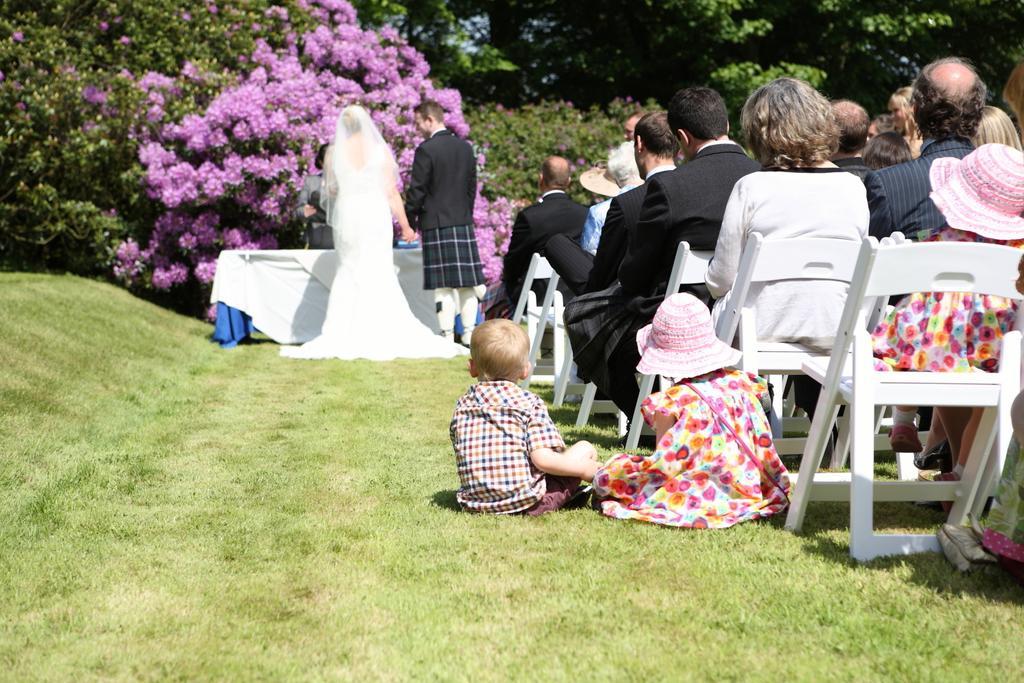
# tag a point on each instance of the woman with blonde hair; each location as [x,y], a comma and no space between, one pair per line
[792,131]
[996,127]
[903,118]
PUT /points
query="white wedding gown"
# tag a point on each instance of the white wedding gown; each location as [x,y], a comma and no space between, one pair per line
[367,313]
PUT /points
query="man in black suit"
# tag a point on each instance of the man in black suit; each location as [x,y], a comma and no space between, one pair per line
[439,202]
[554,214]
[948,100]
[655,148]
[853,123]
[685,204]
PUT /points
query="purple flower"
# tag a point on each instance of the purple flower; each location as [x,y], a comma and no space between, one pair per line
[93,95]
[124,40]
[186,16]
[104,26]
[18,36]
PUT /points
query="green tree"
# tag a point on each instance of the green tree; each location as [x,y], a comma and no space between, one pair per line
[516,51]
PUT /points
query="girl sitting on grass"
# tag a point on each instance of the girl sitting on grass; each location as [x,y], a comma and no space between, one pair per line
[715,464]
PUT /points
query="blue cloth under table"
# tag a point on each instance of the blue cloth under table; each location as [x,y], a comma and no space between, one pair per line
[231,326]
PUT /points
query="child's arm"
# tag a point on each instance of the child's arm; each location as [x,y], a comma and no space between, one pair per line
[578,461]
[662,423]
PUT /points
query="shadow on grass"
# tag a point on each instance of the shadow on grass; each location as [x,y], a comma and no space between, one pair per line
[446,499]
[929,570]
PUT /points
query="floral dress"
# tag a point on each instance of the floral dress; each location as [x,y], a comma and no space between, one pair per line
[716,467]
[945,331]
[1004,534]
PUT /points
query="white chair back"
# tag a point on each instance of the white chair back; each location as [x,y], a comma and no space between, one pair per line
[801,258]
[539,269]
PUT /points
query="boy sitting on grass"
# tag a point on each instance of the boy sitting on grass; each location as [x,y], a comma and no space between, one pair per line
[509,454]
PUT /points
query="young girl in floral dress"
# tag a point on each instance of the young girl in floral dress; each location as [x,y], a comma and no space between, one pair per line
[715,464]
[981,198]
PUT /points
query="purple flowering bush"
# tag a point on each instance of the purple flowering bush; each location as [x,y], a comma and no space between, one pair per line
[228,176]
[152,135]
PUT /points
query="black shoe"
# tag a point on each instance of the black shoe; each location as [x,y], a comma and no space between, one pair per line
[938,457]
[580,498]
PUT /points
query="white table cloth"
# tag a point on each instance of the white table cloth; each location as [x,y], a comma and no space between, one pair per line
[285,291]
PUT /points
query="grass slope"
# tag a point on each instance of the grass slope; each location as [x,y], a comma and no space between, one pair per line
[169,510]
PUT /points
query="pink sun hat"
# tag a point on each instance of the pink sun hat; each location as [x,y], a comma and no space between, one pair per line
[982,193]
[681,341]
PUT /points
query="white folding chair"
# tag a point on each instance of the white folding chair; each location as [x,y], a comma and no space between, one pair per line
[849,377]
[538,318]
[689,267]
[766,261]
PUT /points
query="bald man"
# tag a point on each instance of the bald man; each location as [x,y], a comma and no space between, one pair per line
[853,123]
[947,103]
[554,214]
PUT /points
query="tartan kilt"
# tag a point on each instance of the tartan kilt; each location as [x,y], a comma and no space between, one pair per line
[450,258]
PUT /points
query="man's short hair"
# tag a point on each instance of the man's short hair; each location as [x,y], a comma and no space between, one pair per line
[699,111]
[853,123]
[499,349]
[941,113]
[430,108]
[658,137]
[555,173]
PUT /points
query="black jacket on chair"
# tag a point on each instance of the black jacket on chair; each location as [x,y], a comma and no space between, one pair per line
[534,226]
[442,187]
[623,214]
[898,195]
[685,204]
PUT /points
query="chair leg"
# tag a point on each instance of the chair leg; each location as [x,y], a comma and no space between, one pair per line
[636,425]
[586,405]
[977,468]
[862,484]
[562,381]
[814,451]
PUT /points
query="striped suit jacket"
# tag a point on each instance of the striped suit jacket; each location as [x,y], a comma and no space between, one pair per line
[898,195]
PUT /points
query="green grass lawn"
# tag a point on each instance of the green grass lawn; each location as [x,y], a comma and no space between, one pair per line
[169,510]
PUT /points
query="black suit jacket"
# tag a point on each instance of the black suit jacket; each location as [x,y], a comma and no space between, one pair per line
[898,195]
[854,165]
[685,204]
[442,187]
[623,214]
[534,226]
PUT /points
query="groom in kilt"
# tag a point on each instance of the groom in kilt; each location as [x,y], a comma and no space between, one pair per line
[439,203]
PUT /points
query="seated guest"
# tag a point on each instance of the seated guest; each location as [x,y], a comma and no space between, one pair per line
[996,128]
[947,102]
[310,209]
[629,127]
[880,124]
[653,149]
[853,135]
[686,203]
[554,214]
[902,112]
[620,175]
[792,131]
[885,150]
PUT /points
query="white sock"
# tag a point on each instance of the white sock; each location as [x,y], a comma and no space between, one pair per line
[468,305]
[444,299]
[904,416]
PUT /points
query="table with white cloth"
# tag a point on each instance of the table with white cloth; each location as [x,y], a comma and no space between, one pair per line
[285,291]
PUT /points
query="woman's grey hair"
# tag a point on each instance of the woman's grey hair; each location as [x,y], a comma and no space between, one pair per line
[789,124]
[622,165]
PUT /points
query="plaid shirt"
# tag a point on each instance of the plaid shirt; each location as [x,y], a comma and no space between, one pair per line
[495,427]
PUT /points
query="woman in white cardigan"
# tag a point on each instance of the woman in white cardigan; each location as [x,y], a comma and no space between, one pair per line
[791,129]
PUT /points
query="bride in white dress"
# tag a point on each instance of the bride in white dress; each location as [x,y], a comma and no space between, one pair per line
[367,313]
